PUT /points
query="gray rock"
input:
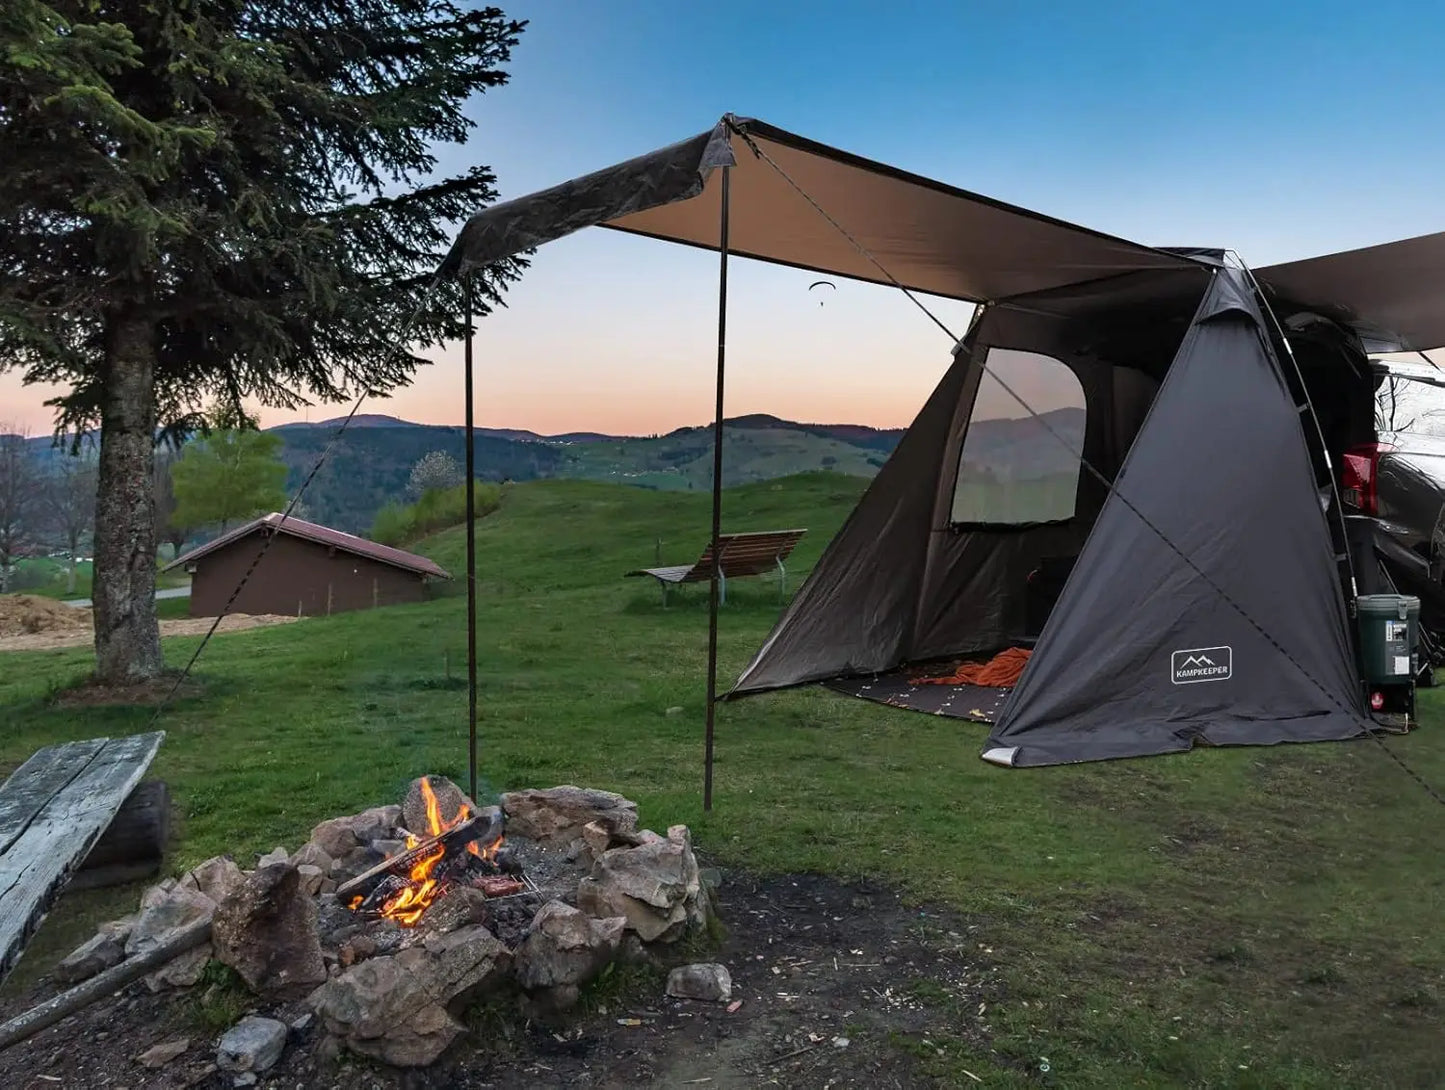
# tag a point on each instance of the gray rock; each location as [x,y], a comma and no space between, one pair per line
[246,1078]
[253,1044]
[157,893]
[216,877]
[708,982]
[266,931]
[452,806]
[177,909]
[157,1057]
[597,836]
[401,1009]
[335,837]
[312,854]
[354,862]
[387,848]
[565,947]
[377,823]
[181,972]
[457,907]
[654,886]
[99,952]
[303,1023]
[557,815]
[311,879]
[711,879]
[278,854]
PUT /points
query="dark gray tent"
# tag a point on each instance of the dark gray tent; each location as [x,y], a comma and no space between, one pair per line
[1151,431]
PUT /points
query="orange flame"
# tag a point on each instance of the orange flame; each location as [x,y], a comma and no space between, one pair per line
[407,905]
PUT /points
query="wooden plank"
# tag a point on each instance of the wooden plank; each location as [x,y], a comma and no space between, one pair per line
[32,785]
[62,833]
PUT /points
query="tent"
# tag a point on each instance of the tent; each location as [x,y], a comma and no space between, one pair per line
[1167,461]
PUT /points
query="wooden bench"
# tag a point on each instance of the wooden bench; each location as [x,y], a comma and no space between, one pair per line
[739,554]
[53,810]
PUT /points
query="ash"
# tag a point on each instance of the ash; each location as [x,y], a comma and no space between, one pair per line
[549,869]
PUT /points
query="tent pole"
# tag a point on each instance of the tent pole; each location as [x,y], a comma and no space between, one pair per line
[471,555]
[717,459]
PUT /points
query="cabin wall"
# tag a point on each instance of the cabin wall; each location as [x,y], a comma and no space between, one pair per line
[297,578]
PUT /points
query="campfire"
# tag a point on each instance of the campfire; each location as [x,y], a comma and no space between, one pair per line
[388,922]
[466,849]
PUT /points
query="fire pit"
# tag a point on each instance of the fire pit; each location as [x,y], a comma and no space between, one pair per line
[388,922]
[465,850]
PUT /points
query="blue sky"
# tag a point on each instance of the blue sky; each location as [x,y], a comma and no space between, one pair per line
[1281,130]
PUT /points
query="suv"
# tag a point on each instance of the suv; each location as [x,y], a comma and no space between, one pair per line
[1397,483]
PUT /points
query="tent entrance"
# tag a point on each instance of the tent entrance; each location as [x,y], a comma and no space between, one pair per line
[974,688]
[974,703]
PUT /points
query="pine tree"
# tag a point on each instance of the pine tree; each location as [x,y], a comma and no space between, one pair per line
[229,198]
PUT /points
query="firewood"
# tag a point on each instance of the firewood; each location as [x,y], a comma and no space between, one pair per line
[454,840]
[138,832]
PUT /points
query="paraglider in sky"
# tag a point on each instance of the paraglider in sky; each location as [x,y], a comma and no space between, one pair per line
[822,284]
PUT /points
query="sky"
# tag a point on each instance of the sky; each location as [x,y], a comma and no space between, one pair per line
[1281,130]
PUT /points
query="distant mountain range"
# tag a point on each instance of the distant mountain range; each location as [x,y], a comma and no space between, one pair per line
[857,434]
[369,467]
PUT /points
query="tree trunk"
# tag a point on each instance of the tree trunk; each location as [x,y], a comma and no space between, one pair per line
[127,637]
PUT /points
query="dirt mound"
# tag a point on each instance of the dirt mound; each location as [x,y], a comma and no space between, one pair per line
[14,638]
[31,615]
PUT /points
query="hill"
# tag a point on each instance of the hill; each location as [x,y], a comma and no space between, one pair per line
[370,464]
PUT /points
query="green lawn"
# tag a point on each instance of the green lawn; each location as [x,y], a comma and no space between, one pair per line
[50,578]
[1240,918]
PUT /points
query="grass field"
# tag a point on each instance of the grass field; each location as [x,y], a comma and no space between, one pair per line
[1225,918]
[50,578]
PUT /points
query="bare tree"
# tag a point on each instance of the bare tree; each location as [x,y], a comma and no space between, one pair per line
[165,494]
[69,501]
[19,493]
[1406,405]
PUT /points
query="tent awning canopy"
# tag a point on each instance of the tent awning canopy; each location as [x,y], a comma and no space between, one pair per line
[928,236]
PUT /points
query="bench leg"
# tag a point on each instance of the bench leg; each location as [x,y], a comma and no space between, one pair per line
[782,582]
[663,584]
[722,589]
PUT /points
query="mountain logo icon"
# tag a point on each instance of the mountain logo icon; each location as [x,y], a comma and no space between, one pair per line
[1196,664]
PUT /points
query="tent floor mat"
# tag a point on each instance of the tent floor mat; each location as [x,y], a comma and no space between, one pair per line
[977,703]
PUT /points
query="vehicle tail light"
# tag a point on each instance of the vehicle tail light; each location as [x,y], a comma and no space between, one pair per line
[1361,475]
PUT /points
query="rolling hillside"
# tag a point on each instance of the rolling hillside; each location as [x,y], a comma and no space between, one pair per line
[369,466]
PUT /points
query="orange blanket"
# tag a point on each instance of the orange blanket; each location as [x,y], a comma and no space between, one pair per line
[1000,672]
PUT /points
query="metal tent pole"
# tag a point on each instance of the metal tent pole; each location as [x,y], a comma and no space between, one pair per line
[471,556]
[717,460]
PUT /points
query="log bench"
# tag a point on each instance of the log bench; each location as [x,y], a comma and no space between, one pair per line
[56,808]
[738,554]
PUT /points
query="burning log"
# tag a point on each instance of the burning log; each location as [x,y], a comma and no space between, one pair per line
[453,841]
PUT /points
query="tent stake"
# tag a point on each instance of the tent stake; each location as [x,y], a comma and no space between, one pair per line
[471,557]
[717,458]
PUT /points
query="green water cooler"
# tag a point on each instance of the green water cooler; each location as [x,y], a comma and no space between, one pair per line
[1389,630]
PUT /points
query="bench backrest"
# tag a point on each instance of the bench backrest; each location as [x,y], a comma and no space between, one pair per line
[750,553]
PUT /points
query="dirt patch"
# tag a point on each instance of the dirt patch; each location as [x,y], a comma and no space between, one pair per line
[32,615]
[93,694]
[43,639]
[841,985]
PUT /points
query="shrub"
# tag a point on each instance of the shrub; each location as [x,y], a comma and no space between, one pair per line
[437,509]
